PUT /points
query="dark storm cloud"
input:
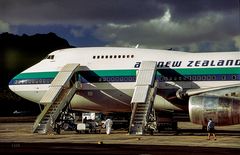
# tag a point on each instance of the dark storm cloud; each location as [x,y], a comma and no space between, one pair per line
[75,11]
[191,24]
[193,8]
[217,29]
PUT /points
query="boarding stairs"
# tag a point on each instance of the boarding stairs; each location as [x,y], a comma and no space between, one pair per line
[143,98]
[57,98]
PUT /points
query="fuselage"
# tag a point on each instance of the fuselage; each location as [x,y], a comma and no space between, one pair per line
[108,75]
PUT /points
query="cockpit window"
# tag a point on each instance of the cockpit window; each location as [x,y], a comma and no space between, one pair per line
[50,57]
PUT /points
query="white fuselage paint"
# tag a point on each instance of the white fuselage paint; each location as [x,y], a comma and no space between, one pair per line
[116,96]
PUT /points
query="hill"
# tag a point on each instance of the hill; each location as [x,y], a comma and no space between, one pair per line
[17,53]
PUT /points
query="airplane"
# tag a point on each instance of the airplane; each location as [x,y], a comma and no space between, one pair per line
[203,85]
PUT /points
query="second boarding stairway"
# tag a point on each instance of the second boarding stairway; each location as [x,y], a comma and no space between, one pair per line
[57,98]
[143,98]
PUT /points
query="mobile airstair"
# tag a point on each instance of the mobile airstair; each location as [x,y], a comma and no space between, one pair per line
[57,98]
[143,98]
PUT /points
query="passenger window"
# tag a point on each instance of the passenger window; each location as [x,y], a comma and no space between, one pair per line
[224,77]
[199,78]
[234,77]
[209,78]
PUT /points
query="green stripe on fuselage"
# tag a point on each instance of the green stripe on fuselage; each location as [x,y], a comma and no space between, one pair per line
[132,72]
[103,73]
[182,71]
[201,71]
[36,75]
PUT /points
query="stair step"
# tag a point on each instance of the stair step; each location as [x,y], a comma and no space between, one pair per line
[44,121]
[139,119]
[139,115]
[142,107]
[141,111]
[142,104]
[48,115]
[138,122]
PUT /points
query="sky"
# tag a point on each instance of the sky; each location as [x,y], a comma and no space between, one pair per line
[187,25]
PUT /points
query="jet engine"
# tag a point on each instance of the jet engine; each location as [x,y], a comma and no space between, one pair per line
[223,110]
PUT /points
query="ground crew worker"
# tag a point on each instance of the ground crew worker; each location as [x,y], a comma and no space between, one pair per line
[108,124]
[85,120]
[211,129]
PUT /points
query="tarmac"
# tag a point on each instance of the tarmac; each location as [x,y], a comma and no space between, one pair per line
[190,139]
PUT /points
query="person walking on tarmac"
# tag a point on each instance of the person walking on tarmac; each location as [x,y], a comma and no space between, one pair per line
[85,120]
[108,124]
[211,129]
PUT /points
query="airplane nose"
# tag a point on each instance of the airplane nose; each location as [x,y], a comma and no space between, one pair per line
[11,85]
[24,88]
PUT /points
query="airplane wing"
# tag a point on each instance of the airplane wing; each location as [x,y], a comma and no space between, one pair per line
[230,90]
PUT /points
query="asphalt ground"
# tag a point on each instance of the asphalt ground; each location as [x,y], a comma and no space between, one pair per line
[190,139]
